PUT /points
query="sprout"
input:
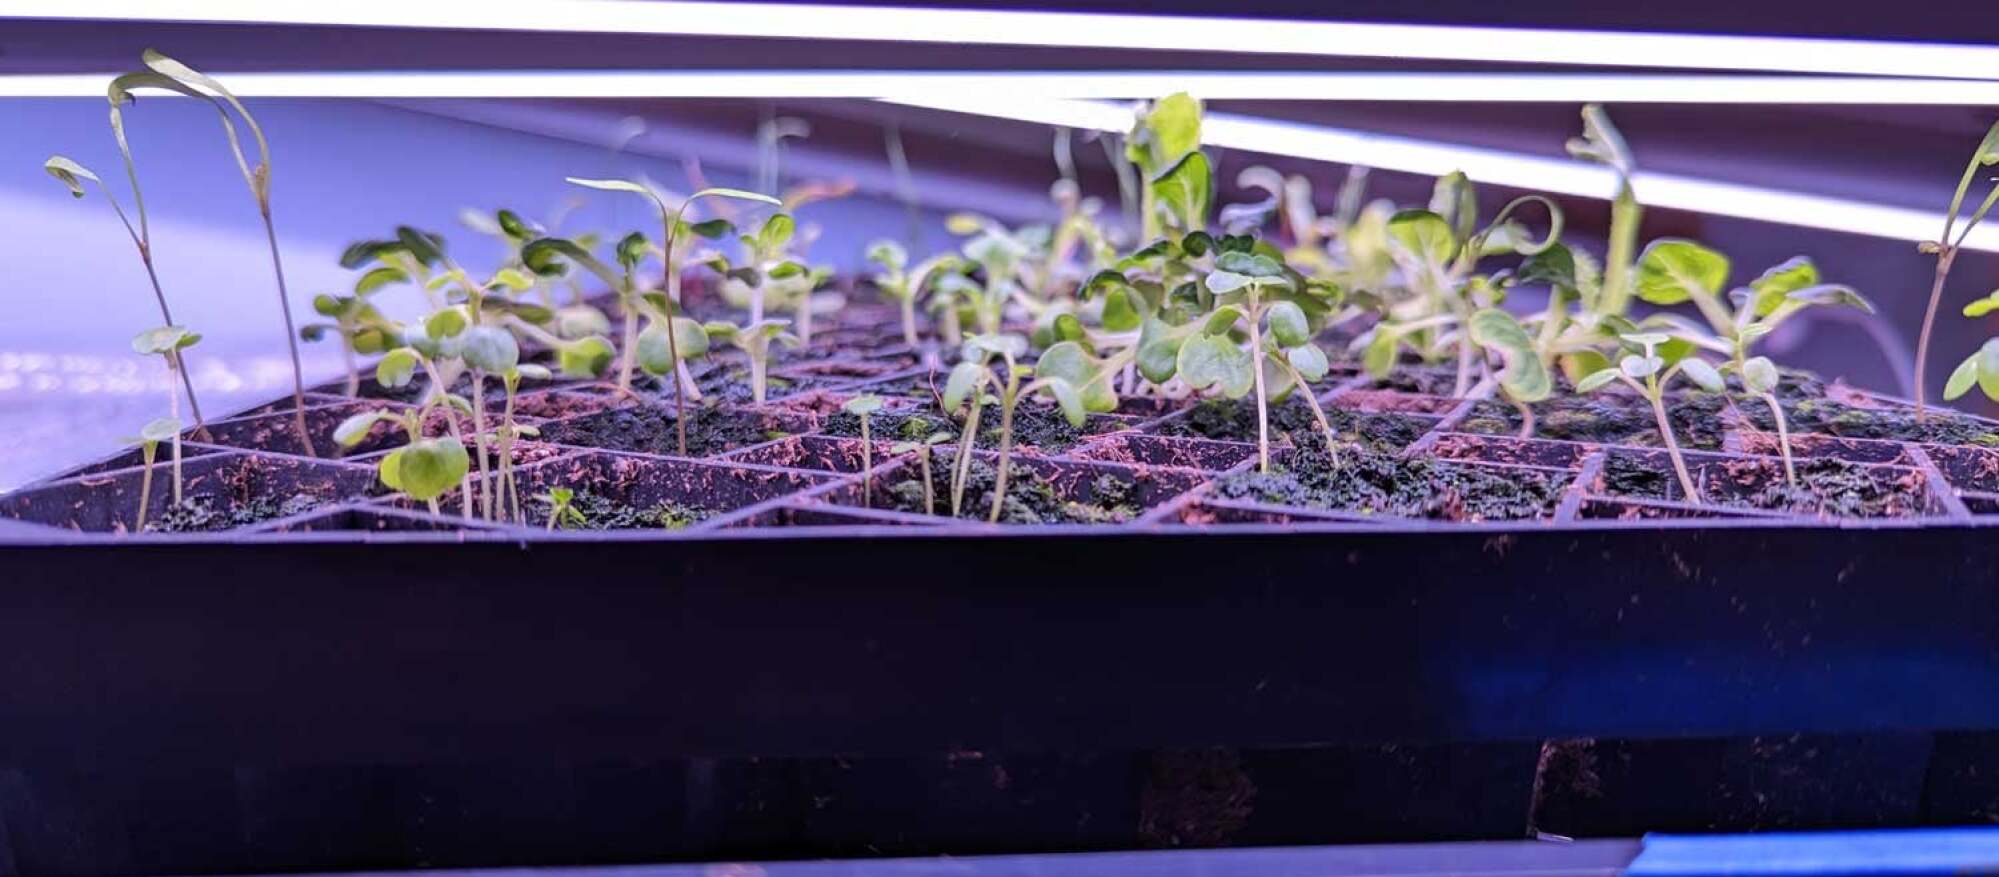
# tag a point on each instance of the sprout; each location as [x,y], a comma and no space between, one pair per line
[922,451]
[862,406]
[162,429]
[561,509]
[767,265]
[1601,143]
[1177,181]
[166,342]
[904,284]
[1647,371]
[969,381]
[171,75]
[1946,248]
[426,467]
[71,174]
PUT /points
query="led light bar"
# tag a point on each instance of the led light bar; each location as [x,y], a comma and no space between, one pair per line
[1080,30]
[1080,85]
[1515,170]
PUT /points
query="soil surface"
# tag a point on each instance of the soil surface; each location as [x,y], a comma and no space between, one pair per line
[1029,498]
[1368,482]
[202,514]
[1826,486]
[1035,427]
[1235,420]
[1610,419]
[650,429]
[602,512]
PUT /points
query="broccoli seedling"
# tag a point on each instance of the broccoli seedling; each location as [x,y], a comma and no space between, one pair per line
[1946,248]
[862,406]
[71,175]
[162,429]
[970,379]
[171,75]
[561,509]
[1645,370]
[905,284]
[922,450]
[424,468]
[166,342]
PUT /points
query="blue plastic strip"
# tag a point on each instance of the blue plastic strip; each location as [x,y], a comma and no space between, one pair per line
[1952,851]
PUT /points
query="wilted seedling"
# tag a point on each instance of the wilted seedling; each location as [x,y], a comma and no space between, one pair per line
[164,429]
[862,407]
[922,450]
[72,175]
[905,284]
[562,511]
[168,343]
[166,73]
[1645,370]
[1946,248]
[971,378]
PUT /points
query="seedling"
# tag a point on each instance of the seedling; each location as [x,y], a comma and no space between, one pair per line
[1602,143]
[166,342]
[1245,285]
[1523,375]
[751,284]
[862,406]
[1946,248]
[71,175]
[561,509]
[361,327]
[511,431]
[166,73]
[425,468]
[1647,371]
[922,450]
[674,223]
[164,429]
[970,379]
[1177,179]
[905,284]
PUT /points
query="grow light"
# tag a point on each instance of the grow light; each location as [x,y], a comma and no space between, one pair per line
[1091,85]
[1083,30]
[1538,173]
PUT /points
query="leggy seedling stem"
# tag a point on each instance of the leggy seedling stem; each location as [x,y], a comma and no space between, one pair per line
[1946,249]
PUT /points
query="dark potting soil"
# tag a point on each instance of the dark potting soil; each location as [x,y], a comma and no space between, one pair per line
[650,429]
[1826,486]
[1035,427]
[732,384]
[1235,420]
[1372,483]
[1029,499]
[200,514]
[606,513]
[1609,419]
[1427,382]
[1836,418]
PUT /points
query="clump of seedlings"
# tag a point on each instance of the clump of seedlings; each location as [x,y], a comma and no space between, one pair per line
[972,379]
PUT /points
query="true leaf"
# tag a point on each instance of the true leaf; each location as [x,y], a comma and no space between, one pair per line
[1672,271]
[1424,236]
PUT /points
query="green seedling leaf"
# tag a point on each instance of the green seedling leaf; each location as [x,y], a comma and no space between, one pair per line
[1988,369]
[1525,377]
[1225,282]
[397,368]
[581,321]
[1983,306]
[964,379]
[865,404]
[161,429]
[586,357]
[1424,236]
[1702,374]
[164,339]
[1596,380]
[1069,362]
[1159,359]
[445,323]
[776,232]
[1640,367]
[1554,266]
[1119,313]
[1170,128]
[1646,339]
[1070,401]
[1257,265]
[1962,379]
[1770,288]
[1759,375]
[1309,360]
[426,469]
[1601,141]
[1184,190]
[490,349]
[1215,361]
[533,372]
[1832,294]
[379,277]
[1288,324]
[351,431]
[1672,271]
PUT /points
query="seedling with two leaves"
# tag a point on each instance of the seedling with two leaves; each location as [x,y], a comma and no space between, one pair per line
[973,380]
[1648,370]
[168,343]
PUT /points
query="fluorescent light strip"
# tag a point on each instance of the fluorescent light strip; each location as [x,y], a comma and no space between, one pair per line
[1515,170]
[1079,30]
[1091,85]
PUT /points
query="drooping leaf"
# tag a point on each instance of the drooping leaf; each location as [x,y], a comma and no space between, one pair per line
[351,431]
[1525,376]
[1780,280]
[69,173]
[1833,294]
[1601,141]
[964,379]
[397,368]
[1596,380]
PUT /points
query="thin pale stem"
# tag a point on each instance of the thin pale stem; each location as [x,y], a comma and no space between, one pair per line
[867,466]
[1256,368]
[929,492]
[145,486]
[479,441]
[909,320]
[1783,437]
[1658,398]
[291,333]
[1526,417]
[186,382]
[1944,259]
[1005,449]
[961,468]
[353,369]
